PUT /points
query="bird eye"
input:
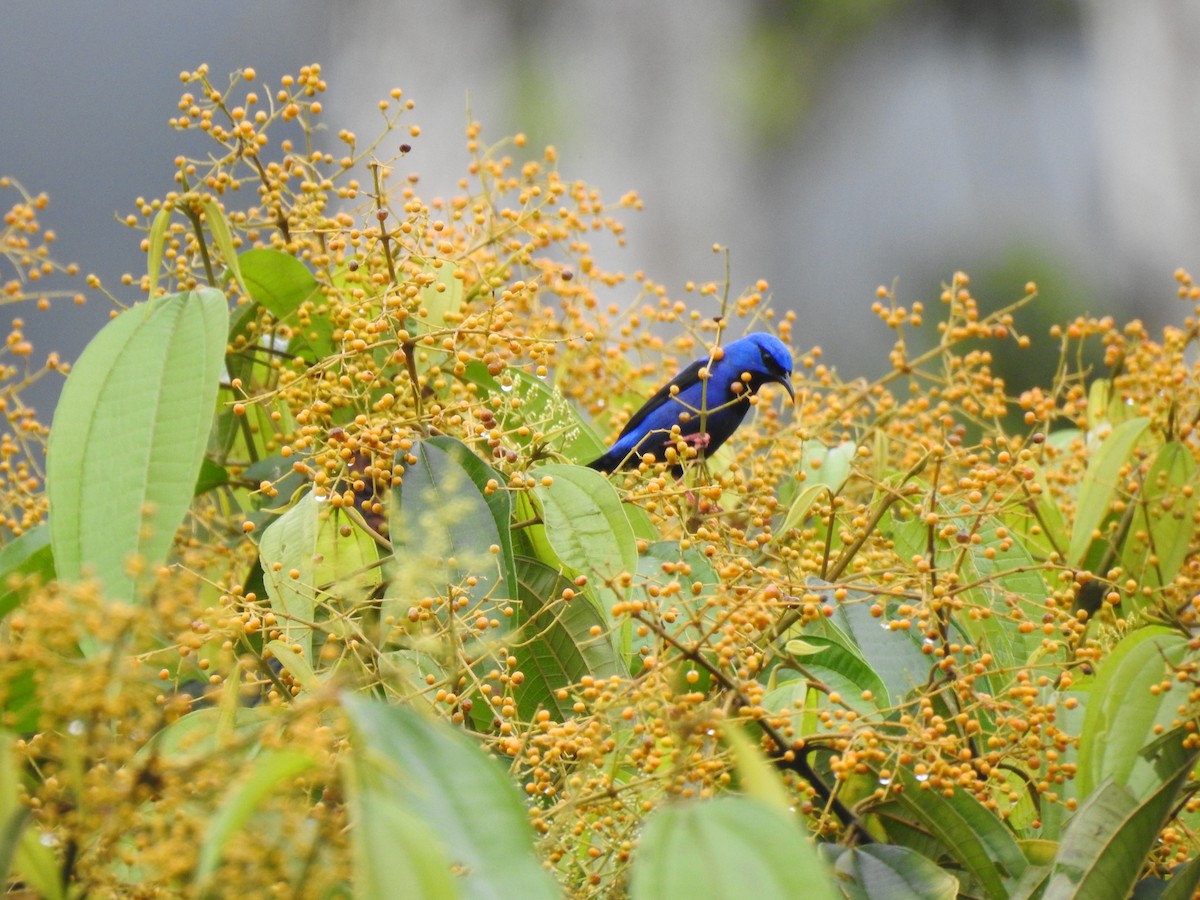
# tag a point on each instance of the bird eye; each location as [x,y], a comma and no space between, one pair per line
[769,362]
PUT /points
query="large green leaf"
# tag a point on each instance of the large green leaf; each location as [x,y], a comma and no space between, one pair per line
[893,656]
[681,580]
[444,295]
[307,561]
[585,525]
[277,281]
[1164,520]
[445,533]
[1105,845]
[972,834]
[1127,708]
[878,871]
[281,283]
[129,436]
[22,853]
[204,732]
[27,557]
[498,500]
[846,676]
[1100,484]
[1039,522]
[469,808]
[241,802]
[393,851]
[561,640]
[531,404]
[287,552]
[1007,578]
[729,847]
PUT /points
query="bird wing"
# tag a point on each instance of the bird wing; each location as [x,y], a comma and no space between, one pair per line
[684,380]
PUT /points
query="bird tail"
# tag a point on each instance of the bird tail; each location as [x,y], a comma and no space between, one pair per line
[604,463]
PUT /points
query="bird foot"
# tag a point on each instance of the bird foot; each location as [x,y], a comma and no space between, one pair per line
[702,505]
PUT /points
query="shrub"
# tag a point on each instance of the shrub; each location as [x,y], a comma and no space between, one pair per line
[321,561]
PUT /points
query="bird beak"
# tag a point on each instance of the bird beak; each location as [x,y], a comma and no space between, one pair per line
[787,383]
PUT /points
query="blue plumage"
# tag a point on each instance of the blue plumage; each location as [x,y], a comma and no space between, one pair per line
[761,357]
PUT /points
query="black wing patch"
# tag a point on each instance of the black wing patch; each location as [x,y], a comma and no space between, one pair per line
[684,379]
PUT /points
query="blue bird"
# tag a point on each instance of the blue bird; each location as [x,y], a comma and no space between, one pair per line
[745,366]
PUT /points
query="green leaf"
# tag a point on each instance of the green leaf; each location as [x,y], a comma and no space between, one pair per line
[498,500]
[1164,519]
[211,477]
[218,227]
[969,832]
[1123,714]
[585,531]
[129,436]
[289,546]
[281,283]
[798,511]
[757,778]
[157,240]
[296,664]
[665,569]
[877,871]
[825,656]
[793,697]
[1100,484]
[561,640]
[444,295]
[21,699]
[411,672]
[729,847]
[394,854]
[22,851]
[242,800]
[277,281]
[830,466]
[1107,841]
[37,865]
[195,737]
[465,800]
[1007,579]
[892,654]
[307,564]
[29,556]
[541,409]
[1183,882]
[13,813]
[800,648]
[1038,851]
[443,532]
[584,521]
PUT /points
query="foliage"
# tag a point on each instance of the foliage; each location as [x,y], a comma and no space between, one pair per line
[321,561]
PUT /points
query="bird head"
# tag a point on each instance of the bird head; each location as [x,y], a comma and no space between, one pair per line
[765,357]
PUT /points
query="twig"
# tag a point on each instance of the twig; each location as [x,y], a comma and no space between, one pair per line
[783,755]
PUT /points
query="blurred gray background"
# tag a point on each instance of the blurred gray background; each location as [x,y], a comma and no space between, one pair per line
[832,145]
